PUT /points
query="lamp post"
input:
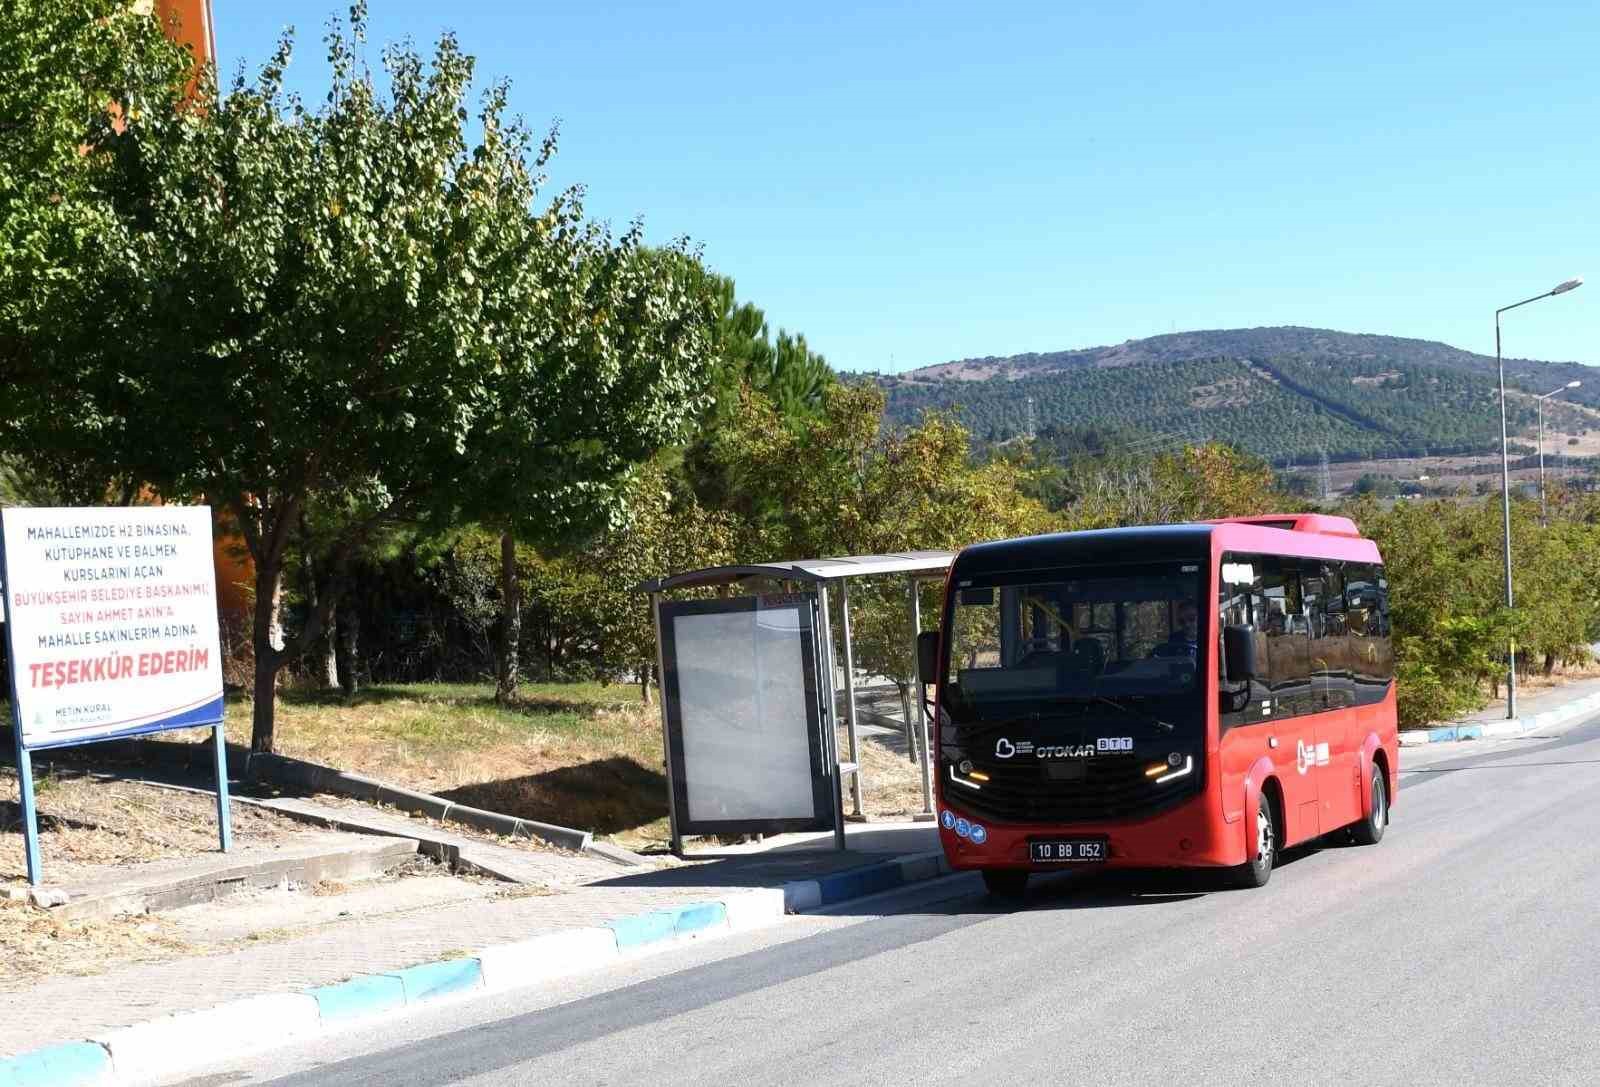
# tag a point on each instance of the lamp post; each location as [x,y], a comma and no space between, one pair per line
[1544,509]
[1505,474]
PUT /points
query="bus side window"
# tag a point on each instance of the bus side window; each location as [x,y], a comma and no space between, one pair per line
[1288,635]
[1240,603]
[1331,656]
[1367,618]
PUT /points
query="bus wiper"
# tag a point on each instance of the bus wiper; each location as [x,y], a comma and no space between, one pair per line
[1143,715]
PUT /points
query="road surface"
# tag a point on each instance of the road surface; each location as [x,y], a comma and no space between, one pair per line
[1465,948]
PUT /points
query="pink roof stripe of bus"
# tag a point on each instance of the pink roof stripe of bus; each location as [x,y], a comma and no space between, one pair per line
[1314,535]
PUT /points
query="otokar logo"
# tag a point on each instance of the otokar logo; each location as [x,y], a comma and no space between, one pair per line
[1065,751]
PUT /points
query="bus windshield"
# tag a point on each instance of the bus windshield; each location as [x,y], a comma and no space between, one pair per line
[1022,644]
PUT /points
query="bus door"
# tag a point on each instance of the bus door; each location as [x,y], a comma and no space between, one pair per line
[1293,740]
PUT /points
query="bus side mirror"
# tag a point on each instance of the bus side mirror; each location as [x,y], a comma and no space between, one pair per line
[928,657]
[1239,652]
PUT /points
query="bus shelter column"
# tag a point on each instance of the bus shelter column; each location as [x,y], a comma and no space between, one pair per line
[918,711]
[850,695]
[830,738]
[676,842]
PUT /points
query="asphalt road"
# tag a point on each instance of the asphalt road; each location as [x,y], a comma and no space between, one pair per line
[1464,948]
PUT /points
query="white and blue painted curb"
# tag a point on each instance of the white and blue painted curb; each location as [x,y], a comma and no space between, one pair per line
[1565,714]
[71,1062]
[169,1046]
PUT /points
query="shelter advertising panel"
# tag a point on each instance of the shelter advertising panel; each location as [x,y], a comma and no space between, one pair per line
[111,621]
[743,715]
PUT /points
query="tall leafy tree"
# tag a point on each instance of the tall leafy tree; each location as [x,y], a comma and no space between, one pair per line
[74,69]
[784,372]
[580,403]
[285,303]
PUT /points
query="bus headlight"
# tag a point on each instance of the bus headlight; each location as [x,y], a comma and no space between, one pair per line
[1163,772]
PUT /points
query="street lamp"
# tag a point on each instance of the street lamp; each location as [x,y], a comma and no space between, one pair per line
[1505,473]
[1544,510]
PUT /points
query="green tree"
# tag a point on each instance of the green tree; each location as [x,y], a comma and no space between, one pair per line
[73,69]
[288,304]
[1197,483]
[666,532]
[583,401]
[746,359]
[839,484]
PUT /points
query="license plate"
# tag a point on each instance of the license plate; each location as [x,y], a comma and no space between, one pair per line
[1066,850]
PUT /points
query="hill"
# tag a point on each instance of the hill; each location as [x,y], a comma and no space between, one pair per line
[1284,393]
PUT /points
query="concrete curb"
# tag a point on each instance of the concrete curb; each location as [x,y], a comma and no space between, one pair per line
[175,1044]
[1566,714]
[282,770]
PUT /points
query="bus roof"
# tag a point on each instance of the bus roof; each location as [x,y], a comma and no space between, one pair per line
[1322,523]
[1313,535]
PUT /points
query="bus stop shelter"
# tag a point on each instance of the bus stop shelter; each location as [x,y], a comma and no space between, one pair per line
[829,579]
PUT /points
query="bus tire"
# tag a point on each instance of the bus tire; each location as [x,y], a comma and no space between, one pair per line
[1007,883]
[1258,869]
[1369,831]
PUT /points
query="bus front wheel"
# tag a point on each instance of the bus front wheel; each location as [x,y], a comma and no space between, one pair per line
[1009,883]
[1258,869]
[1369,831]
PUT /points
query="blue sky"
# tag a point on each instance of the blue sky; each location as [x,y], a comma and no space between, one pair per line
[912,183]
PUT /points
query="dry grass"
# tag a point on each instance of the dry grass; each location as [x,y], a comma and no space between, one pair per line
[579,755]
[34,943]
[891,782]
[88,824]
[91,827]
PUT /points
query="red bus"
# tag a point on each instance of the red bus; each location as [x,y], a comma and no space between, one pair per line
[1198,695]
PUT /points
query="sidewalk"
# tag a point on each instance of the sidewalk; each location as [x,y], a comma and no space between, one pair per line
[1550,707]
[758,884]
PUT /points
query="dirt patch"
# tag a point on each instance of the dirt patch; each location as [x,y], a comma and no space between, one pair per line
[891,782]
[34,944]
[577,755]
[88,824]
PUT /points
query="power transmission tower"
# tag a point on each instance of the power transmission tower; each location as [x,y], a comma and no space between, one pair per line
[1030,430]
[1324,476]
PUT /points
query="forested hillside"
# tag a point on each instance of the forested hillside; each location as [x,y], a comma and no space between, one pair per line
[1281,393]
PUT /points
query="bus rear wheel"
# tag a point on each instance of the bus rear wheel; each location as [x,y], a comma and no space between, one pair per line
[1369,831]
[1258,869]
[1008,883]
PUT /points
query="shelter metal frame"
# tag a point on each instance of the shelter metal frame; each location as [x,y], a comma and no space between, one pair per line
[822,574]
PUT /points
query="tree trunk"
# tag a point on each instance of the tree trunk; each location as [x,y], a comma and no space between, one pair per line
[912,719]
[1549,663]
[266,639]
[327,668]
[350,636]
[644,684]
[510,620]
[328,647]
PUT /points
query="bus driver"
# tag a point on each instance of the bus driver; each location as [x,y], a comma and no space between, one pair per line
[1185,638]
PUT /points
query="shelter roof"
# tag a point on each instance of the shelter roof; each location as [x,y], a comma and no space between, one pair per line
[810,570]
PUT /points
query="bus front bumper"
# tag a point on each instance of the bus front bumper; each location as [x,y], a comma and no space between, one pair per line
[1190,835]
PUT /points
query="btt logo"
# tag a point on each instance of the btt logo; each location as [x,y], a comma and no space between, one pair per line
[1307,755]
